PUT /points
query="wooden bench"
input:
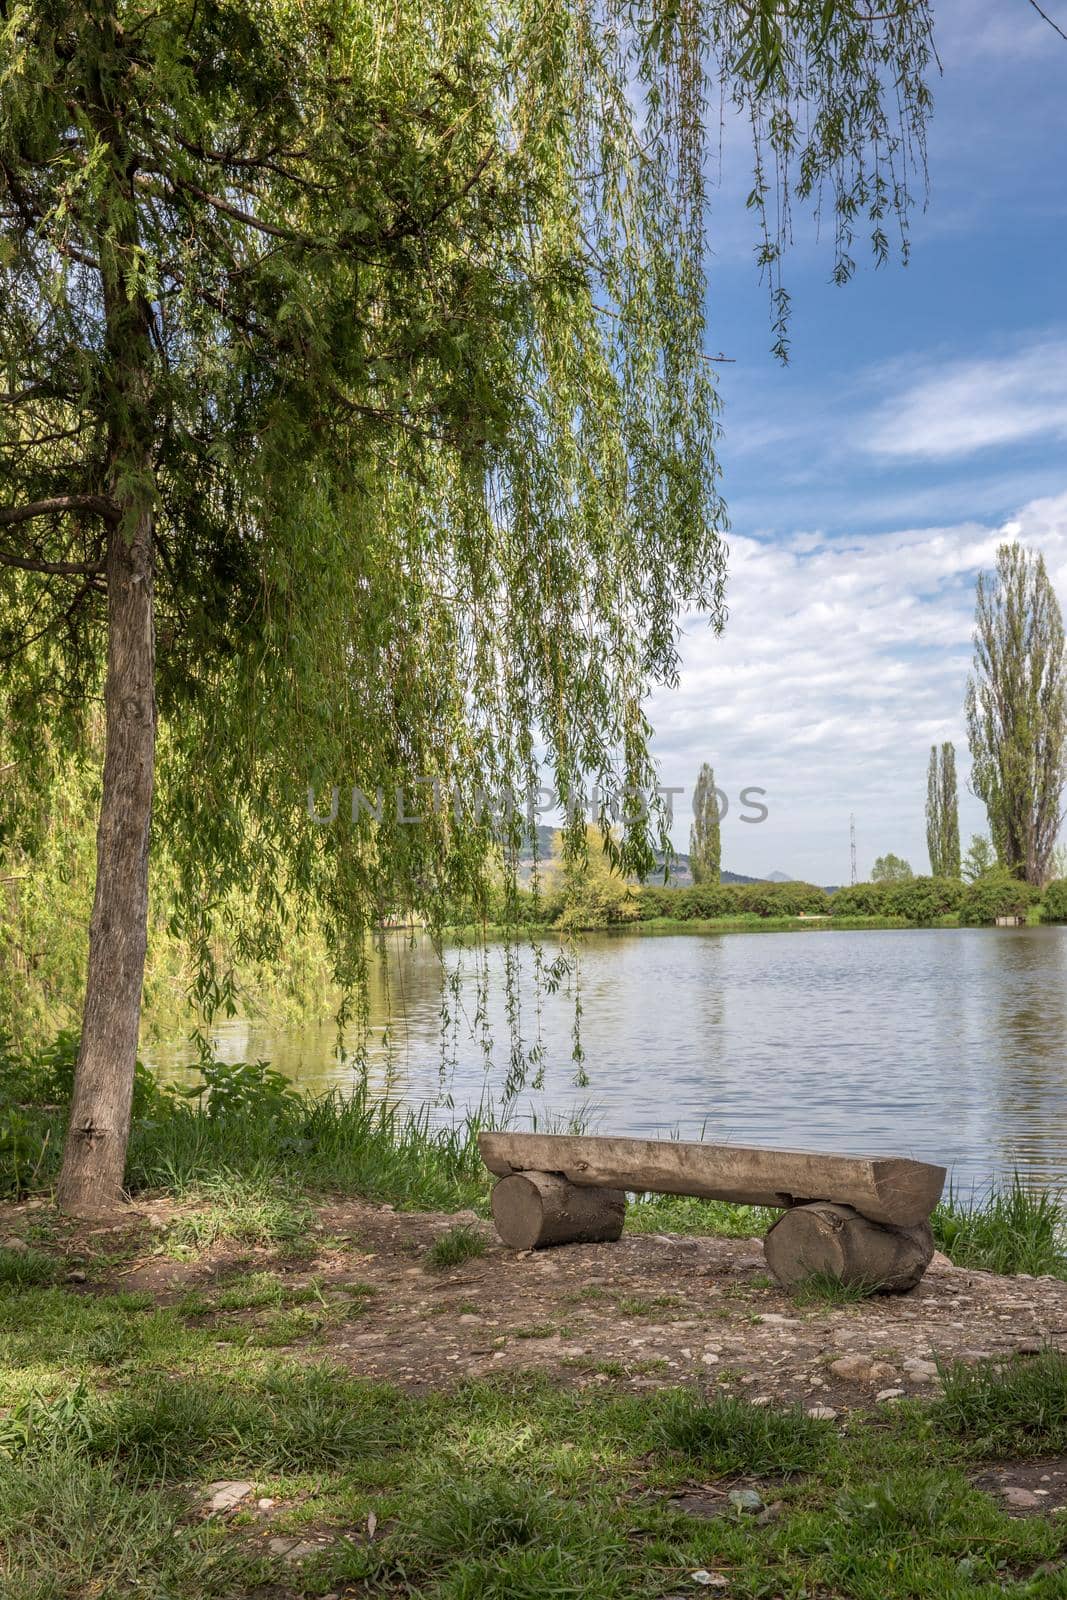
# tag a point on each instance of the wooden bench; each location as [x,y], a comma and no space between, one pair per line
[864,1220]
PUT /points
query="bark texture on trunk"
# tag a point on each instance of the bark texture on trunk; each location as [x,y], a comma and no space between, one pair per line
[94,1160]
[95,1156]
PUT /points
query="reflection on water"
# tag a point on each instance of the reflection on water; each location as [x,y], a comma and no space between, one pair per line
[948,1044]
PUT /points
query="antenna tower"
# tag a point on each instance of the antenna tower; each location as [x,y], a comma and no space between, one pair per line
[852,844]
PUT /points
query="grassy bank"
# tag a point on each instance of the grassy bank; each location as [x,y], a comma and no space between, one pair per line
[255,1136]
[756,924]
[749,922]
[122,1416]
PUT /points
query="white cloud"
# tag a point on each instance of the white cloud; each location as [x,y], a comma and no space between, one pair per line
[986,29]
[966,406]
[843,659]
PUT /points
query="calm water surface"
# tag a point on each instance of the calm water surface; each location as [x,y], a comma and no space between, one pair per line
[947,1044]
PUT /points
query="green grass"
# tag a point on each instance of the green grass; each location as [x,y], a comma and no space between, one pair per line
[247,1178]
[513,1489]
[1018,1410]
[298,1143]
[1009,1229]
[454,1247]
[236,1208]
[672,1213]
[822,1289]
[731,1438]
[19,1268]
[250,1292]
[646,1305]
[1012,1229]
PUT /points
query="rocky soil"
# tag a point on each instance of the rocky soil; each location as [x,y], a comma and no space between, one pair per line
[653,1309]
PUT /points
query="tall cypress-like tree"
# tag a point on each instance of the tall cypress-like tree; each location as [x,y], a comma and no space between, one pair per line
[942,812]
[705,843]
[356,426]
[933,814]
[949,812]
[1017,711]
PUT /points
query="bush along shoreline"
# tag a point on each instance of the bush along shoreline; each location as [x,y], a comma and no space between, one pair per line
[910,902]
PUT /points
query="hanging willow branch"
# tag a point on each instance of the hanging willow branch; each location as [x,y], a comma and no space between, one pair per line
[430,428]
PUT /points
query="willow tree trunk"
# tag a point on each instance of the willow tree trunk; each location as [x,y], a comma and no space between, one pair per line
[94,1160]
[95,1157]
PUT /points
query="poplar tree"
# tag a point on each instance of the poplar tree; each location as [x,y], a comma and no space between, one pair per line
[949,806]
[1017,711]
[356,426]
[705,844]
[942,812]
[933,813]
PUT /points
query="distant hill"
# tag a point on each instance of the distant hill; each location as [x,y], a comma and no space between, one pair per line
[680,873]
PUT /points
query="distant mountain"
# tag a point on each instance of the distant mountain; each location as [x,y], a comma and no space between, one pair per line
[681,876]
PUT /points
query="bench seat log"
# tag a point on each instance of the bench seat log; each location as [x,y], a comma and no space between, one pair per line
[886,1189]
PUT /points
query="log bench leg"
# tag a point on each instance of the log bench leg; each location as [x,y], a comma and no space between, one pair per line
[534,1209]
[836,1242]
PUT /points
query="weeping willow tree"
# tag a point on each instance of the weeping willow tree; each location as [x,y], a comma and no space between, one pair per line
[356,428]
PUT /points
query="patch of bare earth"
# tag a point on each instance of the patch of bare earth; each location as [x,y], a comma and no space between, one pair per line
[650,1310]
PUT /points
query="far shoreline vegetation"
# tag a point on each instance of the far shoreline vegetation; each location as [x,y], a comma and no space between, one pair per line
[44,913]
[917,902]
[580,891]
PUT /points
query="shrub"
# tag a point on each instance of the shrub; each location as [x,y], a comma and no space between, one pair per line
[1054,901]
[587,884]
[703,900]
[48,1078]
[707,901]
[783,899]
[235,1089]
[996,894]
[923,900]
[25,1134]
[862,900]
[657,900]
[35,1092]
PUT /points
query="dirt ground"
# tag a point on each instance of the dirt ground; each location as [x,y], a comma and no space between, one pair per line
[649,1310]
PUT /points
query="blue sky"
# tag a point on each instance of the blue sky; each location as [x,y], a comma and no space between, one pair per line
[922,418]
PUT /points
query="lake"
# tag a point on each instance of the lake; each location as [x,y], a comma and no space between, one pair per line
[946,1044]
